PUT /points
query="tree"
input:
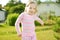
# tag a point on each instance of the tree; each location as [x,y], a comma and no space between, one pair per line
[58,1]
[11,1]
[18,7]
[38,1]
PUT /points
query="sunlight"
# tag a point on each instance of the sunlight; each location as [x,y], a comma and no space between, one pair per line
[3,2]
[24,1]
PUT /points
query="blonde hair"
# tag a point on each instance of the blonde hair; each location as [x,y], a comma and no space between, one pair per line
[29,4]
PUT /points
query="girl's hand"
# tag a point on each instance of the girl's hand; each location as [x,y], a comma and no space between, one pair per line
[20,35]
[42,24]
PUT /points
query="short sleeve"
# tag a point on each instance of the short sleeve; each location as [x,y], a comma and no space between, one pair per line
[36,17]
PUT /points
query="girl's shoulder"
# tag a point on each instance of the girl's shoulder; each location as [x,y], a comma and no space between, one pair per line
[22,13]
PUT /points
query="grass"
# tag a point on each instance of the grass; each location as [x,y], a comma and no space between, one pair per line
[46,35]
[43,33]
[57,36]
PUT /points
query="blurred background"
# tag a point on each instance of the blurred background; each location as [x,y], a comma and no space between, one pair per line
[48,11]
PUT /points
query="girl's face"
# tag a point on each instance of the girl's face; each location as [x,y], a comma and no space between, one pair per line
[31,9]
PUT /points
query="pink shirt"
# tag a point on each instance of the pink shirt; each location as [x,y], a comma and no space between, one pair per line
[27,21]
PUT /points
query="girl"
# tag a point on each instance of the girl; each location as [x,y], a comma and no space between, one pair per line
[27,19]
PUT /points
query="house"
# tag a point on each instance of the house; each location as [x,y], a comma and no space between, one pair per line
[2,14]
[48,8]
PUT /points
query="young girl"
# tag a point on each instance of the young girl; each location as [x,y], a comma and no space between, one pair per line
[27,19]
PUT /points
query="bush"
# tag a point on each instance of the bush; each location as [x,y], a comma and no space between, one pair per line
[50,22]
[2,25]
[11,19]
[37,23]
[56,27]
[58,21]
[17,9]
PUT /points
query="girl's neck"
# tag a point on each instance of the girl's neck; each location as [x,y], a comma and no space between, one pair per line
[30,13]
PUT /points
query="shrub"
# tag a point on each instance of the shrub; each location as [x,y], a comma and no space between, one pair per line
[11,19]
[17,9]
[50,22]
[58,21]
[37,23]
[56,27]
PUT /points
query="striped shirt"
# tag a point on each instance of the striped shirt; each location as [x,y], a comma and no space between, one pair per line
[27,21]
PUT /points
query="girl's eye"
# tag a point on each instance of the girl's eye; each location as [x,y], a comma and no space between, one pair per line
[30,8]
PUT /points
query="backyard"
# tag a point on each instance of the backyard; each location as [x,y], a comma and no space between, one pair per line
[43,33]
[49,12]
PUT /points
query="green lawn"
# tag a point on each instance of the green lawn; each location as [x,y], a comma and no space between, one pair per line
[43,33]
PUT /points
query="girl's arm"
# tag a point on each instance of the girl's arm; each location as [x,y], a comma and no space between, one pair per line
[18,21]
[39,20]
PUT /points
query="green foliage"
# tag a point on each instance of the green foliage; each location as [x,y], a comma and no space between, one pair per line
[17,9]
[56,27]
[12,1]
[37,23]
[58,21]
[53,18]
[38,1]
[8,6]
[57,35]
[50,22]
[14,8]
[58,1]
[11,19]
[2,25]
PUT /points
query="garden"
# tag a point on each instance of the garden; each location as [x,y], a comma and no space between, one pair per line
[50,30]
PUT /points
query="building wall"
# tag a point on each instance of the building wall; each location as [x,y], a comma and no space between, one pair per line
[47,7]
[2,15]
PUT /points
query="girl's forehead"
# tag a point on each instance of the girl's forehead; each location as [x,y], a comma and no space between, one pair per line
[32,5]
